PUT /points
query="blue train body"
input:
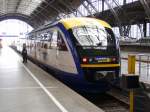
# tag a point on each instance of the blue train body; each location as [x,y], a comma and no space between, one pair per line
[82,52]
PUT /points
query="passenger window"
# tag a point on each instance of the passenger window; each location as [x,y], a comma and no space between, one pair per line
[54,40]
[61,43]
[42,45]
[38,44]
[50,39]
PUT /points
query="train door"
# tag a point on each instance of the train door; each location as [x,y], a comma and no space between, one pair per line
[65,61]
[53,49]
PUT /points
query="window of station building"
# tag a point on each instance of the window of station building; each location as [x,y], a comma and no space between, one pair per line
[61,43]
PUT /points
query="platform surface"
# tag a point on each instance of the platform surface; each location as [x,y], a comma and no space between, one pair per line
[27,88]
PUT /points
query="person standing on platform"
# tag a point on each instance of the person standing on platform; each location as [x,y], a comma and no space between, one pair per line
[45,51]
[24,53]
[1,43]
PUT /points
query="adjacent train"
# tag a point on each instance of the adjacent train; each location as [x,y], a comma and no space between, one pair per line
[82,52]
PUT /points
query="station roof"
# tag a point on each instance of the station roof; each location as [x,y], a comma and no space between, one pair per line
[36,12]
[39,12]
[129,14]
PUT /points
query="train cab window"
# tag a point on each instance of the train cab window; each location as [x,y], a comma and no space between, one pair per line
[61,43]
[110,37]
[93,36]
[90,36]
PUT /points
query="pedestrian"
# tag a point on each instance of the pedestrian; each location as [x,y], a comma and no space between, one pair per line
[24,53]
[45,51]
[1,43]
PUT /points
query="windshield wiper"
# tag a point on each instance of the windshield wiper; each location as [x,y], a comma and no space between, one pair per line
[99,44]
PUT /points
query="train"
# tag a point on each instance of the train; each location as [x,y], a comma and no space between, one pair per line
[82,52]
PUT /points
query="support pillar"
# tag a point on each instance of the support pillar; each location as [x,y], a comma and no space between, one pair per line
[102,5]
[124,2]
[131,70]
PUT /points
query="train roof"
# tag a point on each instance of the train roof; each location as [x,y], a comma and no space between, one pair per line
[80,21]
[75,22]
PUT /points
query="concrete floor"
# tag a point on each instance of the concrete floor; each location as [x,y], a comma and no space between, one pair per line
[27,88]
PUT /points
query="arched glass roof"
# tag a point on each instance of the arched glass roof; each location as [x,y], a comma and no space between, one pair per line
[39,12]
[19,6]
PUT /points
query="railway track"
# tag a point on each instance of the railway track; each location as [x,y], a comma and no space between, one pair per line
[112,101]
[113,105]
[122,96]
[118,101]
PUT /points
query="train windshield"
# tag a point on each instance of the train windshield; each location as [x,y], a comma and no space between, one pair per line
[95,36]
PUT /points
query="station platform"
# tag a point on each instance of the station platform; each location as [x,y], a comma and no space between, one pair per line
[27,88]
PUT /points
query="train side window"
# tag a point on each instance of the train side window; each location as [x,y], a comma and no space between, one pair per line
[54,40]
[38,44]
[61,43]
[50,39]
[42,45]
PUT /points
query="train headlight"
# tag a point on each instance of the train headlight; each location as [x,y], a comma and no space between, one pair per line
[84,60]
[113,59]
